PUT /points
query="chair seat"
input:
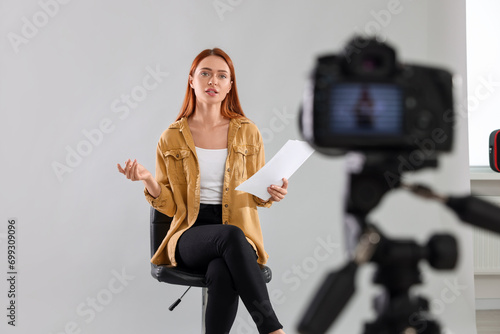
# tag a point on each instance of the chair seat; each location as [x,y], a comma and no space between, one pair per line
[160,224]
[180,276]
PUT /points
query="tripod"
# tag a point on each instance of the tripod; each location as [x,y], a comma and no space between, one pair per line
[397,261]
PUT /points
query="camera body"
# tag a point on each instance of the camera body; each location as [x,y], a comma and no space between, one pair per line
[364,100]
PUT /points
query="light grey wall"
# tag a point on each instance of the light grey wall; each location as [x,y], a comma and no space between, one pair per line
[81,230]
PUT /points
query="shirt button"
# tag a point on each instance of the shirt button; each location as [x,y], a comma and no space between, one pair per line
[226,205]
[225,223]
[227,189]
[229,169]
[246,151]
[176,155]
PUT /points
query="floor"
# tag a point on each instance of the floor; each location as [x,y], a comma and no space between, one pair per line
[488,321]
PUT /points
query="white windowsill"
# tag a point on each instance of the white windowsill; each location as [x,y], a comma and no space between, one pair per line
[480,173]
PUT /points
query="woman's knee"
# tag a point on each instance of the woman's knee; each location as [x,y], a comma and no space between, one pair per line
[231,233]
[234,242]
[218,274]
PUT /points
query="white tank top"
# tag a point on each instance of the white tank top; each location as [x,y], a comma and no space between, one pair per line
[212,164]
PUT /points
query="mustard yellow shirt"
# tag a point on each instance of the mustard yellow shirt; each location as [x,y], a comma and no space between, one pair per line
[178,173]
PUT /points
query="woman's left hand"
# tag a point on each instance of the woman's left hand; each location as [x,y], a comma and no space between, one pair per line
[278,193]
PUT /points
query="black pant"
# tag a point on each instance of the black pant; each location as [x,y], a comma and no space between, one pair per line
[229,261]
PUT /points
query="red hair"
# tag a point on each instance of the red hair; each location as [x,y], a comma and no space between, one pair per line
[230,107]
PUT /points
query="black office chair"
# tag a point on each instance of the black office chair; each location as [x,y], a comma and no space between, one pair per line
[159,225]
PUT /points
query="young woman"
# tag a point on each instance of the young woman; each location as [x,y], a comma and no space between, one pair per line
[201,158]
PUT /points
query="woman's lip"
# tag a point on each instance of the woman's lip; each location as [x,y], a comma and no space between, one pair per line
[211,92]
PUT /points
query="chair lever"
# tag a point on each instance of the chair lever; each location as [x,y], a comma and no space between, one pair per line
[177,302]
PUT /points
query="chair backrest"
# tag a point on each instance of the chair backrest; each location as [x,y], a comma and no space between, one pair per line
[160,223]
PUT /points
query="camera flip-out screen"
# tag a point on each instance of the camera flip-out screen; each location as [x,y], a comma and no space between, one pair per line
[372,109]
[368,102]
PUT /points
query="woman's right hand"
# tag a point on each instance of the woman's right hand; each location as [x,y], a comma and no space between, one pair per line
[135,171]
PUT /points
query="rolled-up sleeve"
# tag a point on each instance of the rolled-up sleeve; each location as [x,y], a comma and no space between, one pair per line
[164,202]
[261,161]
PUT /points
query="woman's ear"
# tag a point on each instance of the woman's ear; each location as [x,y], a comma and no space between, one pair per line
[190,79]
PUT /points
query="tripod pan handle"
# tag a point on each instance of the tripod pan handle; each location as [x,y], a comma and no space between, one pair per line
[329,300]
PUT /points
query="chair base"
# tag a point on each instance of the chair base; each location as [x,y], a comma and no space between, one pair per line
[204,301]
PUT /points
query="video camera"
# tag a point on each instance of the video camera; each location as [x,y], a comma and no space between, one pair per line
[364,100]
